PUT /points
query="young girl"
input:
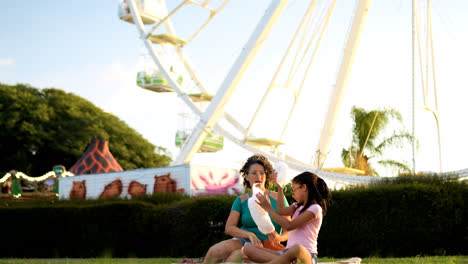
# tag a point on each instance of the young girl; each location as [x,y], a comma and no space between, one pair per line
[311,194]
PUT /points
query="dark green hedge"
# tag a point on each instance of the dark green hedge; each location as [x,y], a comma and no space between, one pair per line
[397,219]
[393,219]
[129,228]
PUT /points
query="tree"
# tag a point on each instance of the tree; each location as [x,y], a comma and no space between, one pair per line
[367,142]
[43,128]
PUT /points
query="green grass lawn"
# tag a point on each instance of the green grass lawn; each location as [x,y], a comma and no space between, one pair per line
[413,260]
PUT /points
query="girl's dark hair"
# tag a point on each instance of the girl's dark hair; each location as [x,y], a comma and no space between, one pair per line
[257,159]
[317,190]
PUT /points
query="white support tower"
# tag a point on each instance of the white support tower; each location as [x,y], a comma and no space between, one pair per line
[425,61]
[341,84]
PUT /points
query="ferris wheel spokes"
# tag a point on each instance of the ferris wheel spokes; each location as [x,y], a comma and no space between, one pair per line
[216,108]
[259,143]
[322,28]
[158,61]
[272,83]
[181,54]
[321,22]
[175,40]
[192,143]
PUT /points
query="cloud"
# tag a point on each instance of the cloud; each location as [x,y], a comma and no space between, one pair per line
[6,62]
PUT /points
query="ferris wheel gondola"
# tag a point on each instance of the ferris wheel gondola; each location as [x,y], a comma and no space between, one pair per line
[150,11]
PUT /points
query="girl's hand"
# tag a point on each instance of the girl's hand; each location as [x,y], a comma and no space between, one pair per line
[263,201]
[254,239]
[274,179]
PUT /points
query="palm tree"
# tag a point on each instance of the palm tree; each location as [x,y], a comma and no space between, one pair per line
[366,143]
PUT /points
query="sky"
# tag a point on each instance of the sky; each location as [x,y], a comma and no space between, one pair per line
[84,48]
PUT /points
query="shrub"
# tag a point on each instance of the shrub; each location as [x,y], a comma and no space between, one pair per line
[401,217]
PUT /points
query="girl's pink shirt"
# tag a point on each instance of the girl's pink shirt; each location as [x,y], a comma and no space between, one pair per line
[308,234]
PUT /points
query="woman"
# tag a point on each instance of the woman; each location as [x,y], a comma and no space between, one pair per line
[257,170]
[311,194]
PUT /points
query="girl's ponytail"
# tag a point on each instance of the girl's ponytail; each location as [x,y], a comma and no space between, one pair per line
[318,190]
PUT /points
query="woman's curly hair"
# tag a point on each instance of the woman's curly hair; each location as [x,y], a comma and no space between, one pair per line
[257,159]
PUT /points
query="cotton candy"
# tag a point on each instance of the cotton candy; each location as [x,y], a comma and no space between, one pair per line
[260,216]
[282,169]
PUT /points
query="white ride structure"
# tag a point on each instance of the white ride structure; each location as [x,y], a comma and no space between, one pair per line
[151,17]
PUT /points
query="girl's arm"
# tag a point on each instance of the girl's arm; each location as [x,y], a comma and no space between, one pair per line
[232,229]
[289,225]
[282,210]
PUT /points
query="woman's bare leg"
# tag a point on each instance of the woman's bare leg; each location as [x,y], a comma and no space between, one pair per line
[296,252]
[221,251]
[259,254]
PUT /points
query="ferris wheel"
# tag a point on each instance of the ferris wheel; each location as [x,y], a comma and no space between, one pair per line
[212,123]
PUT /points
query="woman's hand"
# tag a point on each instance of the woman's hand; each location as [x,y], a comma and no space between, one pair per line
[274,236]
[263,201]
[254,239]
